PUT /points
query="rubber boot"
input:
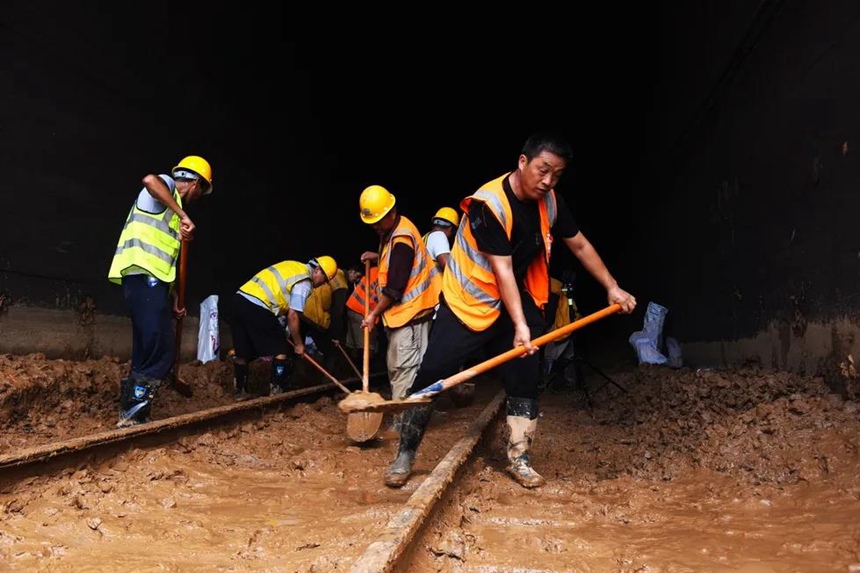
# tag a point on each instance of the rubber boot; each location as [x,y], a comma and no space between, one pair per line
[240,380]
[136,395]
[413,424]
[281,374]
[522,416]
[393,430]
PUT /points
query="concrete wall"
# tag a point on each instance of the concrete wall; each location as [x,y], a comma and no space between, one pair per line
[78,335]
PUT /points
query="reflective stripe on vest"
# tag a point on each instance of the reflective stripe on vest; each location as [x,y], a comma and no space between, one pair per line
[424,283]
[273,285]
[355,302]
[149,241]
[469,284]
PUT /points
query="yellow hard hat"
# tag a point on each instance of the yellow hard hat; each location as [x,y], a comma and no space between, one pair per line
[447,214]
[375,203]
[198,166]
[327,264]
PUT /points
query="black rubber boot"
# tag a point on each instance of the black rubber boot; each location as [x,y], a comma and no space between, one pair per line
[136,395]
[522,414]
[413,424]
[281,374]
[240,380]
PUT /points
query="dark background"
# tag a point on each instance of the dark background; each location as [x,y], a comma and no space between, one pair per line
[709,169]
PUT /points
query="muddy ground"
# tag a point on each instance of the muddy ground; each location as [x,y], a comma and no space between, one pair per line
[744,470]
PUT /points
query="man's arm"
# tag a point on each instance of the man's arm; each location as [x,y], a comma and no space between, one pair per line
[161,193]
[583,250]
[503,268]
[399,269]
[294,322]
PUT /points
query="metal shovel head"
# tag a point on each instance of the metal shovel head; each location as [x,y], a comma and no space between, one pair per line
[373,402]
[181,386]
[363,426]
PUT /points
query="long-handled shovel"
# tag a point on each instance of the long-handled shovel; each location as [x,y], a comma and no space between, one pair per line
[356,402]
[364,426]
[325,372]
[348,359]
[178,383]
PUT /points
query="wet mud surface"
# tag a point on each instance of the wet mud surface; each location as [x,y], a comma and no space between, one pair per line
[742,470]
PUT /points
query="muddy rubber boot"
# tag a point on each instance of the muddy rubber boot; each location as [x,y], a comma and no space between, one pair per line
[240,381]
[413,424]
[393,430]
[281,374]
[522,416]
[136,395]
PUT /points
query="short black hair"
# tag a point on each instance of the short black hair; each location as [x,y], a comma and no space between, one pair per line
[547,140]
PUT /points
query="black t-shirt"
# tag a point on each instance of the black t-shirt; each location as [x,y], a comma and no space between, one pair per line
[526,241]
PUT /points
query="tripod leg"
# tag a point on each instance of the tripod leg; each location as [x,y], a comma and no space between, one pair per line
[603,374]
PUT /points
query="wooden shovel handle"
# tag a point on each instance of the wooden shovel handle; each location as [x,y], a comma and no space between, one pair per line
[180,292]
[365,377]
[491,363]
[325,372]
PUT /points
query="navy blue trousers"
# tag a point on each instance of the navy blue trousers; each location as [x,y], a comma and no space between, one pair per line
[150,308]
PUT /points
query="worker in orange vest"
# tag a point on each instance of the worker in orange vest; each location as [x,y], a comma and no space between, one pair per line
[367,287]
[494,290]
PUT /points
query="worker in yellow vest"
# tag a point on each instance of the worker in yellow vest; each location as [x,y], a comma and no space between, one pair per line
[144,264]
[409,285]
[279,290]
[324,318]
[494,290]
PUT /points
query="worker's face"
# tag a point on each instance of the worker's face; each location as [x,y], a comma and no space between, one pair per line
[384,225]
[190,191]
[540,174]
[318,277]
[353,275]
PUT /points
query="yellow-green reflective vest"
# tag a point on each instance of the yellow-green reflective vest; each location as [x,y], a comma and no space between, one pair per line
[338,281]
[149,241]
[272,285]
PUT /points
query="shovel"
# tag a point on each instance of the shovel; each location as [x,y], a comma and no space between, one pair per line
[364,426]
[176,382]
[375,403]
[319,367]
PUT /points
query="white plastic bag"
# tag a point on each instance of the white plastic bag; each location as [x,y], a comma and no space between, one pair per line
[648,342]
[208,337]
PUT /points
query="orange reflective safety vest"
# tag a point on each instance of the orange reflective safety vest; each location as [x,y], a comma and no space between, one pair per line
[355,302]
[424,284]
[469,285]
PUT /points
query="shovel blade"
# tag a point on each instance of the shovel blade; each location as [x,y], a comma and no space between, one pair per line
[363,426]
[372,402]
[181,386]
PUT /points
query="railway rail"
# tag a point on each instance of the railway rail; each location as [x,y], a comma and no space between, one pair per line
[387,547]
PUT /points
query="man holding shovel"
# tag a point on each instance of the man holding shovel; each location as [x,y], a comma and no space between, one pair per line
[409,285]
[281,289]
[494,290]
[144,263]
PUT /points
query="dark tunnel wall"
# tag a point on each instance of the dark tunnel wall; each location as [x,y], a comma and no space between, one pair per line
[716,145]
[95,100]
[758,222]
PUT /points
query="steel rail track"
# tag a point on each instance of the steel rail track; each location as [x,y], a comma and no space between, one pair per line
[393,546]
[58,450]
